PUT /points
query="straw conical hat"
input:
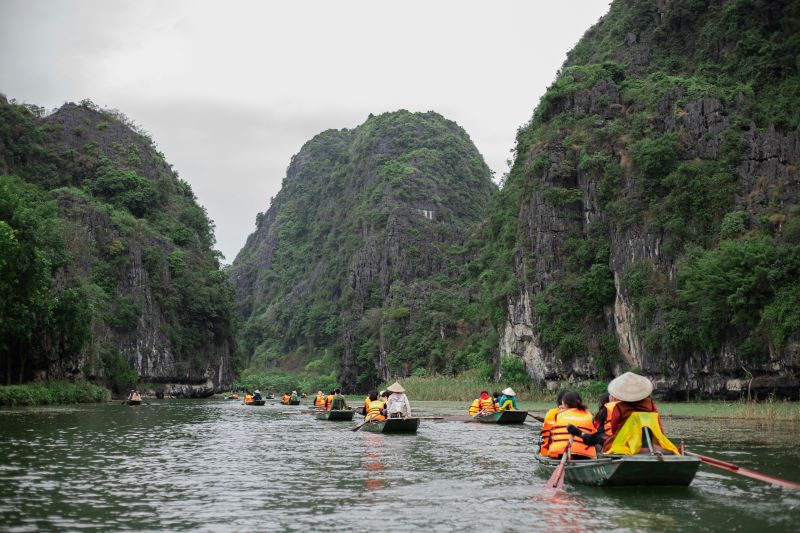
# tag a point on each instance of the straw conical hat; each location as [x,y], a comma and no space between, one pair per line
[508,391]
[630,387]
[396,387]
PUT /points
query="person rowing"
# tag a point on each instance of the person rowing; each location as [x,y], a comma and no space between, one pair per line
[634,420]
[508,401]
[397,405]
[483,404]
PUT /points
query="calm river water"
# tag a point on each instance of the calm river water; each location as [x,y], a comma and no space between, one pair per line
[215,465]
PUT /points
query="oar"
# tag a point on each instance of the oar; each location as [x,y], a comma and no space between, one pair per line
[752,474]
[364,423]
[557,479]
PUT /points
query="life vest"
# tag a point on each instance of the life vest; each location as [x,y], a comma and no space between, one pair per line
[328,400]
[248,398]
[628,440]
[559,436]
[508,405]
[475,407]
[374,410]
[547,426]
[609,409]
[285,398]
[319,401]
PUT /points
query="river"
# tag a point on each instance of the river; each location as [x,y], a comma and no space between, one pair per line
[215,465]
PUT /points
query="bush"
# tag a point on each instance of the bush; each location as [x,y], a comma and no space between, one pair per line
[51,393]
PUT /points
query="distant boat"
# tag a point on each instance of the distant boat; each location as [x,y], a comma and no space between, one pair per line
[291,402]
[393,425]
[503,417]
[627,470]
[256,402]
[134,402]
[345,414]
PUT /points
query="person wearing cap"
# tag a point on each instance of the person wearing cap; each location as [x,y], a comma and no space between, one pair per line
[508,400]
[549,422]
[257,394]
[633,415]
[397,405]
[483,404]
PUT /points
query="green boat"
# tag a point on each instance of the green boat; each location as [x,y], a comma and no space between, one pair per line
[393,425]
[627,470]
[503,417]
[335,416]
[291,402]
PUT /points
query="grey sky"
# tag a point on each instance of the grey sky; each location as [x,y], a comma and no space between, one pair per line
[231,90]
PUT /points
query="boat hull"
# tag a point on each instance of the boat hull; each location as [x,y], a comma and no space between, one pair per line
[627,470]
[256,402]
[393,425]
[134,402]
[291,402]
[336,416]
[503,417]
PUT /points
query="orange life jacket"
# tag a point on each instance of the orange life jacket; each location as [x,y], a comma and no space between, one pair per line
[319,401]
[285,398]
[547,426]
[609,409]
[328,400]
[374,410]
[559,436]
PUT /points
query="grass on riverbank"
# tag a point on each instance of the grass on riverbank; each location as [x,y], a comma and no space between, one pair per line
[52,393]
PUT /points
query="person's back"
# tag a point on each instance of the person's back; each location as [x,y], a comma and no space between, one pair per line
[549,422]
[475,408]
[285,398]
[575,414]
[256,395]
[508,401]
[338,403]
[374,407]
[293,396]
[319,401]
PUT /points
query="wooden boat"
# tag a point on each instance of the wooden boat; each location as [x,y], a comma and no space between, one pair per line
[134,402]
[335,416]
[503,417]
[393,425]
[232,397]
[291,402]
[627,470]
[256,402]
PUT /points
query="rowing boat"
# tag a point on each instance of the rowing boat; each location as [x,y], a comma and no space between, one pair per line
[134,402]
[627,470]
[291,402]
[503,417]
[256,402]
[335,416]
[393,425]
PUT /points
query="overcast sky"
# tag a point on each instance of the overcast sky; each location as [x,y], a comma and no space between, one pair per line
[231,90]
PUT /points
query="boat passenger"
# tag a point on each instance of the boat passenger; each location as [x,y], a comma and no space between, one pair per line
[549,422]
[508,401]
[397,405]
[496,399]
[338,403]
[574,413]
[248,397]
[483,404]
[328,400]
[293,396]
[137,396]
[375,408]
[634,420]
[285,397]
[257,395]
[319,401]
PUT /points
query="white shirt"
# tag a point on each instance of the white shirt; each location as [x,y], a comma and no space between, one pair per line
[397,403]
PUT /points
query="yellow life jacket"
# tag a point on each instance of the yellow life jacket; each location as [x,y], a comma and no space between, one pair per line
[508,405]
[628,440]
[475,407]
[374,410]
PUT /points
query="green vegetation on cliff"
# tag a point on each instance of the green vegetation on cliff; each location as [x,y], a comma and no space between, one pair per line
[665,156]
[107,264]
[356,268]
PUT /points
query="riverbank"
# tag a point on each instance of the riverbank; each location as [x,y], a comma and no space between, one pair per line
[52,393]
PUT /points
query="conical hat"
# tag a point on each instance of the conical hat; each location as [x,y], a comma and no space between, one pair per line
[630,387]
[396,387]
[508,391]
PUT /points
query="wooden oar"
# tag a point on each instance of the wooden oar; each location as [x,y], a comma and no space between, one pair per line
[557,479]
[752,474]
[364,423]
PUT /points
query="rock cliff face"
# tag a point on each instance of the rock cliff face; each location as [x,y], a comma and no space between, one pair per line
[655,164]
[137,255]
[354,262]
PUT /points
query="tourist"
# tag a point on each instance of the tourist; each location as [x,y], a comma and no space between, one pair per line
[397,404]
[293,396]
[286,397]
[257,395]
[375,409]
[329,400]
[496,399]
[319,401]
[508,401]
[573,413]
[633,418]
[483,404]
[549,422]
[338,403]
